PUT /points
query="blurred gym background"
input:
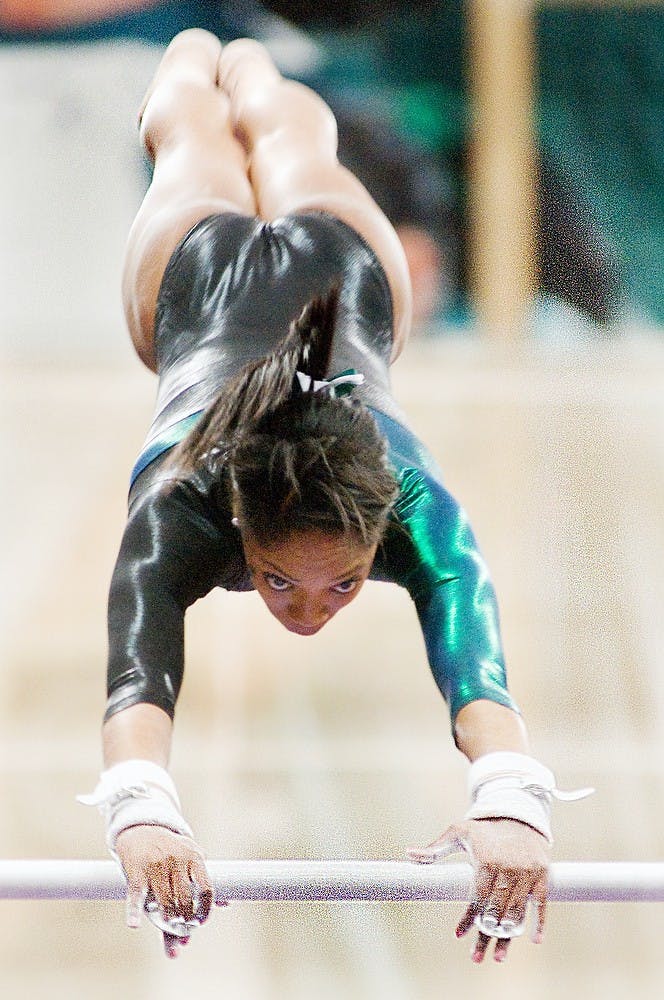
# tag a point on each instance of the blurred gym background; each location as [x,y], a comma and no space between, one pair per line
[518,146]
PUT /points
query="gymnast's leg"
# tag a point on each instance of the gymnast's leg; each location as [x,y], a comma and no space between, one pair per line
[199,168]
[291,139]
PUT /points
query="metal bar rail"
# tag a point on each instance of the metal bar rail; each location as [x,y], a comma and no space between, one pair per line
[298,881]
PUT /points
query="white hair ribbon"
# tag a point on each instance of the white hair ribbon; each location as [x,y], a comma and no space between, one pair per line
[340,385]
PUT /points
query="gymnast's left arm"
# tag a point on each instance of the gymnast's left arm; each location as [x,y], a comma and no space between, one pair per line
[506,831]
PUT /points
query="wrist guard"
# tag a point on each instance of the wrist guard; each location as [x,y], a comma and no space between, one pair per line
[507,785]
[136,793]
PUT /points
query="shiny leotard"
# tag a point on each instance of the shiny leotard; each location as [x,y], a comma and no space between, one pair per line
[230,291]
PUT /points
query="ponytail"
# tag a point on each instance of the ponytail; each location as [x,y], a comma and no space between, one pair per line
[299,459]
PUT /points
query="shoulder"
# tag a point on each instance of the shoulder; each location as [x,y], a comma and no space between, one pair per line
[405,450]
[183,526]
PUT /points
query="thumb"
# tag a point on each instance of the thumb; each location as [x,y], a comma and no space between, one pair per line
[452,841]
[136,896]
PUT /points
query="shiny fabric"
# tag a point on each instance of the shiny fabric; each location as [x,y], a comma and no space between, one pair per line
[233,286]
[220,306]
[438,561]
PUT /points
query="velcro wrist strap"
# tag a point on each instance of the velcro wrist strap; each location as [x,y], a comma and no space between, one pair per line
[501,800]
[511,785]
[136,793]
[144,812]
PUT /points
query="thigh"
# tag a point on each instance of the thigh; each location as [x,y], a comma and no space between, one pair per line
[317,184]
[199,169]
[294,168]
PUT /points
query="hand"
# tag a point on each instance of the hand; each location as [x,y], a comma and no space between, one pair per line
[510,860]
[166,874]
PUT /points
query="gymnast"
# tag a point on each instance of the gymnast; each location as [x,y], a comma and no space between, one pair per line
[270,295]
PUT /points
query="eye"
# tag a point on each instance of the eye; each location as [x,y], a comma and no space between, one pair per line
[276,582]
[345,587]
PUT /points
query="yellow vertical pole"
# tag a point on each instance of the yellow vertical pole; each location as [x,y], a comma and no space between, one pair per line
[502,178]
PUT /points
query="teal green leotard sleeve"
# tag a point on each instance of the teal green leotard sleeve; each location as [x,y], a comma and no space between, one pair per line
[430,549]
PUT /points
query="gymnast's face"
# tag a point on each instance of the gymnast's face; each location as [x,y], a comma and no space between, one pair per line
[306,579]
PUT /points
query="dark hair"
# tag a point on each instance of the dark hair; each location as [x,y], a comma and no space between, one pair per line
[297,459]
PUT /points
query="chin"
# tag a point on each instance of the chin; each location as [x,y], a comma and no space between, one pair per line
[303,629]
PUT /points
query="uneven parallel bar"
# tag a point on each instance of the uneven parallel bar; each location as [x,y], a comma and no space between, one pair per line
[296,881]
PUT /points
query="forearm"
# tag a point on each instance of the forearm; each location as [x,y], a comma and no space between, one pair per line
[135,788]
[505,782]
[484,726]
[145,830]
[140,732]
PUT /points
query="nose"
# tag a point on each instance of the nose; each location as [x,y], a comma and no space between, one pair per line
[308,611]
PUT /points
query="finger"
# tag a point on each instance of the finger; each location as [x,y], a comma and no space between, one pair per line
[201,890]
[171,943]
[451,842]
[482,887]
[191,892]
[467,920]
[538,896]
[493,892]
[136,897]
[159,875]
[184,896]
[485,878]
[481,945]
[500,951]
[202,902]
[516,903]
[171,887]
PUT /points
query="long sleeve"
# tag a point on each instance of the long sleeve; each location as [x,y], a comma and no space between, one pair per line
[170,556]
[431,550]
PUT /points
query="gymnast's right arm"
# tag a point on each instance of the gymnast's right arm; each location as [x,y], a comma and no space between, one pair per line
[169,557]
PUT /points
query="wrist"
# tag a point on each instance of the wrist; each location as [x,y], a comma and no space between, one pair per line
[508,785]
[136,793]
